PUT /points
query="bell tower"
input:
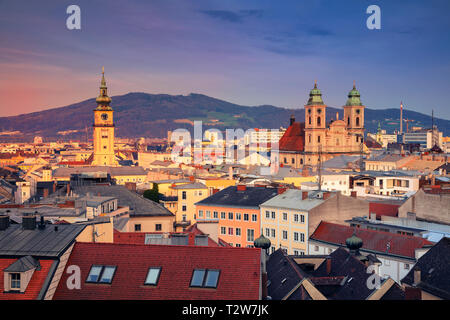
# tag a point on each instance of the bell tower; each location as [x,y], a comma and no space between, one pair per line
[103,129]
[315,120]
[354,112]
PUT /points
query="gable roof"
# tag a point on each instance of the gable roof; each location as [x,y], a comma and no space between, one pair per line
[434,268]
[373,241]
[35,285]
[251,197]
[139,206]
[15,241]
[294,138]
[239,272]
[23,264]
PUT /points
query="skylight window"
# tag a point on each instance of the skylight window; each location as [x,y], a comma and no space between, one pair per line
[204,278]
[101,274]
[153,276]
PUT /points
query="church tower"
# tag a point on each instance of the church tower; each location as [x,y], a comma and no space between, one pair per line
[315,120]
[354,113]
[103,129]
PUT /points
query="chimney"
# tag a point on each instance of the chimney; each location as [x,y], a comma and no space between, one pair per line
[353,194]
[45,193]
[304,195]
[41,225]
[281,190]
[433,180]
[54,187]
[29,222]
[191,239]
[241,187]
[326,195]
[4,222]
[417,276]
[68,189]
[191,178]
[328,261]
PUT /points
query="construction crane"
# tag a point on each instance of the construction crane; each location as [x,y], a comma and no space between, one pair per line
[407,124]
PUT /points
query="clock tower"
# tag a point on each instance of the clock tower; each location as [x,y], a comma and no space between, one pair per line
[103,129]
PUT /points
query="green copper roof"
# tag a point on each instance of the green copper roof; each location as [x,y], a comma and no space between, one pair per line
[103,98]
[354,243]
[262,242]
[354,98]
[315,97]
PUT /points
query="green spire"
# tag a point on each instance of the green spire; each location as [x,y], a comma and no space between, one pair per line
[315,96]
[354,98]
[379,127]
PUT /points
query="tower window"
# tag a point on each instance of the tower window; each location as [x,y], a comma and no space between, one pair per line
[357,121]
[309,120]
[348,121]
[318,120]
[318,139]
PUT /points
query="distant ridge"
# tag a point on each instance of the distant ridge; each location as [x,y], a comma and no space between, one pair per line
[140,114]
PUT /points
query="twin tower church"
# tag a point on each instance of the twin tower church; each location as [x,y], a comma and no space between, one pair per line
[302,144]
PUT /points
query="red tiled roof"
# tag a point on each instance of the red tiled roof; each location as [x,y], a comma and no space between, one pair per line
[383,209]
[34,286]
[239,272]
[294,138]
[372,240]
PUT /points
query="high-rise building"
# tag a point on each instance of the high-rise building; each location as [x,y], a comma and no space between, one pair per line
[103,129]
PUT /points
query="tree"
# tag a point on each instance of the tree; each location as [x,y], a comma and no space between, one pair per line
[152,194]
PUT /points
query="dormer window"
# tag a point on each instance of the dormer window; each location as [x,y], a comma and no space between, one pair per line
[15,281]
[18,274]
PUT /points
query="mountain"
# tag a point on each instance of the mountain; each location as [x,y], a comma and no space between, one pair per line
[152,115]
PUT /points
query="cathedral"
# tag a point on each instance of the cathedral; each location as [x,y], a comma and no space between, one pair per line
[303,144]
[103,129]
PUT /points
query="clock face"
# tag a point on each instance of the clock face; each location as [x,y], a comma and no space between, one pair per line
[104,116]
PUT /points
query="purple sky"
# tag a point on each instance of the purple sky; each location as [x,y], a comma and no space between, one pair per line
[248,52]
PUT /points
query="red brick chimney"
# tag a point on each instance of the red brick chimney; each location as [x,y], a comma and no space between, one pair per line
[45,193]
[326,195]
[241,187]
[353,194]
[304,195]
[328,261]
[281,190]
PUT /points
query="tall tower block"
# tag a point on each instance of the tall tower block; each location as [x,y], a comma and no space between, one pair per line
[103,129]
[354,112]
[315,120]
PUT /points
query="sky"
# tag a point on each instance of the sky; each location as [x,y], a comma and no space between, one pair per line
[249,52]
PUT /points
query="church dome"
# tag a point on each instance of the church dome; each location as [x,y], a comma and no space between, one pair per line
[262,242]
[315,96]
[354,97]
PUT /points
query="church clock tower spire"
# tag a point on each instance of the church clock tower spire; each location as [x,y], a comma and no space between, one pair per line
[103,128]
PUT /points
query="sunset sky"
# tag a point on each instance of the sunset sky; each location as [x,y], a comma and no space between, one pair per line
[248,52]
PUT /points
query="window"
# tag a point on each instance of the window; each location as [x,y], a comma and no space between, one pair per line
[254,217]
[238,216]
[302,237]
[316,248]
[223,230]
[222,215]
[230,215]
[250,235]
[267,214]
[183,195]
[137,227]
[285,235]
[267,232]
[245,216]
[101,274]
[230,231]
[302,218]
[295,236]
[284,216]
[204,278]
[406,266]
[15,281]
[153,276]
[158,227]
[208,214]
[215,215]
[273,233]
[273,214]
[200,213]
[238,245]
[183,208]
[238,231]
[295,217]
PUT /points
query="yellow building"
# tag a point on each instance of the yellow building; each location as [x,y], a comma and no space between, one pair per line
[188,195]
[103,129]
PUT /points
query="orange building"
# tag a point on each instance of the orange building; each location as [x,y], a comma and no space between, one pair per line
[236,209]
